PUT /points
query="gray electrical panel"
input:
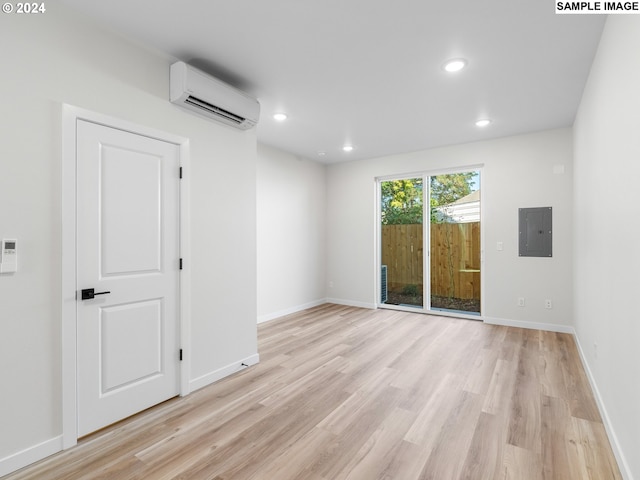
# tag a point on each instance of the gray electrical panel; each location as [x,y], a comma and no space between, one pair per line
[535,232]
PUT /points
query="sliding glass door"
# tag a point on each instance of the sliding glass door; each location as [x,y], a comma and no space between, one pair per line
[455,242]
[402,243]
[440,215]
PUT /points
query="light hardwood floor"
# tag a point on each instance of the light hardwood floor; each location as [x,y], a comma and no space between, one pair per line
[347,393]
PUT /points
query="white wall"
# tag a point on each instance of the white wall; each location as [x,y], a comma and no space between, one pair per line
[291,233]
[518,172]
[61,57]
[607,257]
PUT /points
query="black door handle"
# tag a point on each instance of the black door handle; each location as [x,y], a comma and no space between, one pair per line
[89,293]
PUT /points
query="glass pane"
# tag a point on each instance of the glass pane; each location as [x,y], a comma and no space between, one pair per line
[402,241]
[455,242]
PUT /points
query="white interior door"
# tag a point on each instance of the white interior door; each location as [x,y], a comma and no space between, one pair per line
[128,252]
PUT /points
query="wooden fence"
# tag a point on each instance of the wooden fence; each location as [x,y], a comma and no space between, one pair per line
[455,258]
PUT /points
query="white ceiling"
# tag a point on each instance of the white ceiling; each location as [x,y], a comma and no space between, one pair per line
[369,72]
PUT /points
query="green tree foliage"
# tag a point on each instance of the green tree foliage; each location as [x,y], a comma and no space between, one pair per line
[446,189]
[402,201]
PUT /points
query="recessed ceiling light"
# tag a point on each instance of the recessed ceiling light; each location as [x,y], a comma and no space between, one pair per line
[454,65]
[280,117]
[347,148]
[483,122]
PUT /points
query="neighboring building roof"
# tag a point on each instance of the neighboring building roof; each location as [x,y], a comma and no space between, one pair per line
[472,197]
[463,210]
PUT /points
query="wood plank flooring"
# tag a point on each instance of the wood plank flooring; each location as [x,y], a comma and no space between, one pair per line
[354,394]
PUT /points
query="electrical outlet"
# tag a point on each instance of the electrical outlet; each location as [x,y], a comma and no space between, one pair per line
[330,284]
[521,301]
[595,350]
[547,303]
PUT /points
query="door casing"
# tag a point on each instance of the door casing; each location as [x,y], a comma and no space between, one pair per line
[70,117]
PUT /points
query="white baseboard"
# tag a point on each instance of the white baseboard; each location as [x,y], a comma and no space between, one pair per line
[30,455]
[288,311]
[625,470]
[223,372]
[352,303]
[548,327]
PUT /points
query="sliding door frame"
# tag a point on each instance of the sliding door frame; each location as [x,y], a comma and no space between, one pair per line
[425,243]
[426,240]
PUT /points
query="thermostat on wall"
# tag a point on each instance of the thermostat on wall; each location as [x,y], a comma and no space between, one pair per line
[9,262]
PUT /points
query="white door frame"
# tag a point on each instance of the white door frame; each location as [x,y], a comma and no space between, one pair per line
[70,117]
[426,262]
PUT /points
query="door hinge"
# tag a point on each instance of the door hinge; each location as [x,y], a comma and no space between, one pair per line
[180,264]
[180,172]
[180,354]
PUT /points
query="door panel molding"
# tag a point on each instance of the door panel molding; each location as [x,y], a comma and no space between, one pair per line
[70,116]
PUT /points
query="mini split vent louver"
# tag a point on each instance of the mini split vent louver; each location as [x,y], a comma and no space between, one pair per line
[205,95]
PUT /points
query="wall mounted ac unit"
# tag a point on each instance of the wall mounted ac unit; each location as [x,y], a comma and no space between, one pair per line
[201,93]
